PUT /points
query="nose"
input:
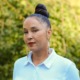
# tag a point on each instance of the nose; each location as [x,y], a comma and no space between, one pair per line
[29,36]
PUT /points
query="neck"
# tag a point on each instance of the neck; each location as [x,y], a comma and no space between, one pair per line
[40,56]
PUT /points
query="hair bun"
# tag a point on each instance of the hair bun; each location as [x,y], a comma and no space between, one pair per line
[41,9]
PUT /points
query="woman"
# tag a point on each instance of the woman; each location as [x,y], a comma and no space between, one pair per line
[42,62]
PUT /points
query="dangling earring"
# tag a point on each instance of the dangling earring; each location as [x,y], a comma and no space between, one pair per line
[48,44]
[48,47]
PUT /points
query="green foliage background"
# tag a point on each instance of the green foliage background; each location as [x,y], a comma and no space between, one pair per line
[65,39]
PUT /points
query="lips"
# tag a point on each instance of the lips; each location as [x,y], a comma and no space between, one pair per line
[31,43]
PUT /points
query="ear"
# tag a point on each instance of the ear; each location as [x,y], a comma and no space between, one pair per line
[49,32]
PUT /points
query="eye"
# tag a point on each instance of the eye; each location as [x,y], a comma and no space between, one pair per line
[25,32]
[35,30]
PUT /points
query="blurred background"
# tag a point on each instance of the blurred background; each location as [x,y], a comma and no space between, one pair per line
[65,22]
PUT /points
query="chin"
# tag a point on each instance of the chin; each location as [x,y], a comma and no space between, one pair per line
[34,49]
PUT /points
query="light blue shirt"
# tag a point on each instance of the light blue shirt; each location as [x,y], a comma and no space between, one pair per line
[55,67]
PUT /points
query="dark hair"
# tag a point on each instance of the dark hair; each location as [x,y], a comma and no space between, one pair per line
[41,14]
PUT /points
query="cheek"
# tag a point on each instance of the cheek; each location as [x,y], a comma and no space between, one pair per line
[41,36]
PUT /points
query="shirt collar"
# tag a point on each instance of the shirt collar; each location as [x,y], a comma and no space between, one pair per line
[51,59]
[47,63]
[28,59]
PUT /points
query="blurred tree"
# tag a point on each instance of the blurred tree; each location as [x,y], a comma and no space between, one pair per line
[65,21]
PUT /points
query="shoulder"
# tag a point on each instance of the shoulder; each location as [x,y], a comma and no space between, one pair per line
[64,63]
[61,61]
[64,60]
[67,65]
[18,65]
[71,70]
[20,61]
[23,60]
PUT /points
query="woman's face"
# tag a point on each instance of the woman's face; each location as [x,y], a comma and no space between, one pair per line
[36,34]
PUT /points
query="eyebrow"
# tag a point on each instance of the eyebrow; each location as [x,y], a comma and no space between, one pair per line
[33,27]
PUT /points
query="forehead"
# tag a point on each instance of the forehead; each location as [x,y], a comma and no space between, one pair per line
[32,21]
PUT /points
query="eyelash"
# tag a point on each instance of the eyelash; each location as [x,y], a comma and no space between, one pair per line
[26,32]
[34,30]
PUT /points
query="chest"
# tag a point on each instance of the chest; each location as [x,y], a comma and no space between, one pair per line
[39,74]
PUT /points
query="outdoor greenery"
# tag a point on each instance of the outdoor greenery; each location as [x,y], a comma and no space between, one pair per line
[65,22]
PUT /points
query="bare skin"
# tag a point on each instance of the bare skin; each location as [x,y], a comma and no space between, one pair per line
[36,36]
[39,57]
